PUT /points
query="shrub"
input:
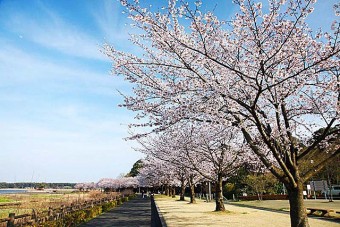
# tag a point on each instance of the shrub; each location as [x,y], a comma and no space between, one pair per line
[82,216]
[119,201]
[264,197]
[75,218]
[95,194]
[108,206]
[93,212]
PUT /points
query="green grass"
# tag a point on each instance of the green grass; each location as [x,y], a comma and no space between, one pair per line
[4,212]
[4,199]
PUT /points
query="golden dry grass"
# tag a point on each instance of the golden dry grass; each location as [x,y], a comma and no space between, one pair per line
[24,203]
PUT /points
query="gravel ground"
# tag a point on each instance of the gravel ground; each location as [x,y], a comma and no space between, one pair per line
[181,213]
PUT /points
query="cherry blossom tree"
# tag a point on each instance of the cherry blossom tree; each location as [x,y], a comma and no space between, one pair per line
[265,72]
[118,183]
[106,183]
[217,154]
[167,149]
[128,182]
[79,186]
[157,173]
[206,151]
[181,175]
[85,186]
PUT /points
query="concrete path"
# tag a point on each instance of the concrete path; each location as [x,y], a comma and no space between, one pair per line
[136,212]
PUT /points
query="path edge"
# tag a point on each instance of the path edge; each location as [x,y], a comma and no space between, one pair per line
[157,219]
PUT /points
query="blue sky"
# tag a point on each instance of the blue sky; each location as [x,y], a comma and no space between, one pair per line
[59,118]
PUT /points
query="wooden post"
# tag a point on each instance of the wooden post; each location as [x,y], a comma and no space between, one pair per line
[34,216]
[62,211]
[10,222]
[50,214]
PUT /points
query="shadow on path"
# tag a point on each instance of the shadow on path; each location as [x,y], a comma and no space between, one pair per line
[285,212]
[136,212]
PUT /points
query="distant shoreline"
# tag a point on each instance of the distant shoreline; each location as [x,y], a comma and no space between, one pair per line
[14,189]
[4,191]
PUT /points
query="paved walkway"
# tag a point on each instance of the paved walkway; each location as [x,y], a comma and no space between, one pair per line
[136,212]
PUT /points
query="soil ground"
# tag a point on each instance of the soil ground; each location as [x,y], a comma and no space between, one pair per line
[181,213]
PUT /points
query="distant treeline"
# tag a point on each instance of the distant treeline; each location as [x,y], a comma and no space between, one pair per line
[36,185]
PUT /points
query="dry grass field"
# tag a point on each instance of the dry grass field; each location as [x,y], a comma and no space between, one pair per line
[181,213]
[24,203]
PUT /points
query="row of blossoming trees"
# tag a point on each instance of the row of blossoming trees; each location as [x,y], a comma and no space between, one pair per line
[191,155]
[213,94]
[109,184]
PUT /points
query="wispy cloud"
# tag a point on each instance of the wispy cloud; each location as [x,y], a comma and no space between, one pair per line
[110,21]
[114,25]
[54,33]
[18,66]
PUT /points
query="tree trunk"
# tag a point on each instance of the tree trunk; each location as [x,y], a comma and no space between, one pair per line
[192,194]
[259,196]
[173,192]
[181,197]
[170,191]
[192,190]
[298,215]
[219,194]
[167,190]
[330,196]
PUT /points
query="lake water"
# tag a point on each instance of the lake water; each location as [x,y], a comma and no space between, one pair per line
[12,191]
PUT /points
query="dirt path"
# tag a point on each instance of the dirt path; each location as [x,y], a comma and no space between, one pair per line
[178,213]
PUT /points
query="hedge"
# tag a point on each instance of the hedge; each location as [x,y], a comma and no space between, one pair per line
[264,197]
